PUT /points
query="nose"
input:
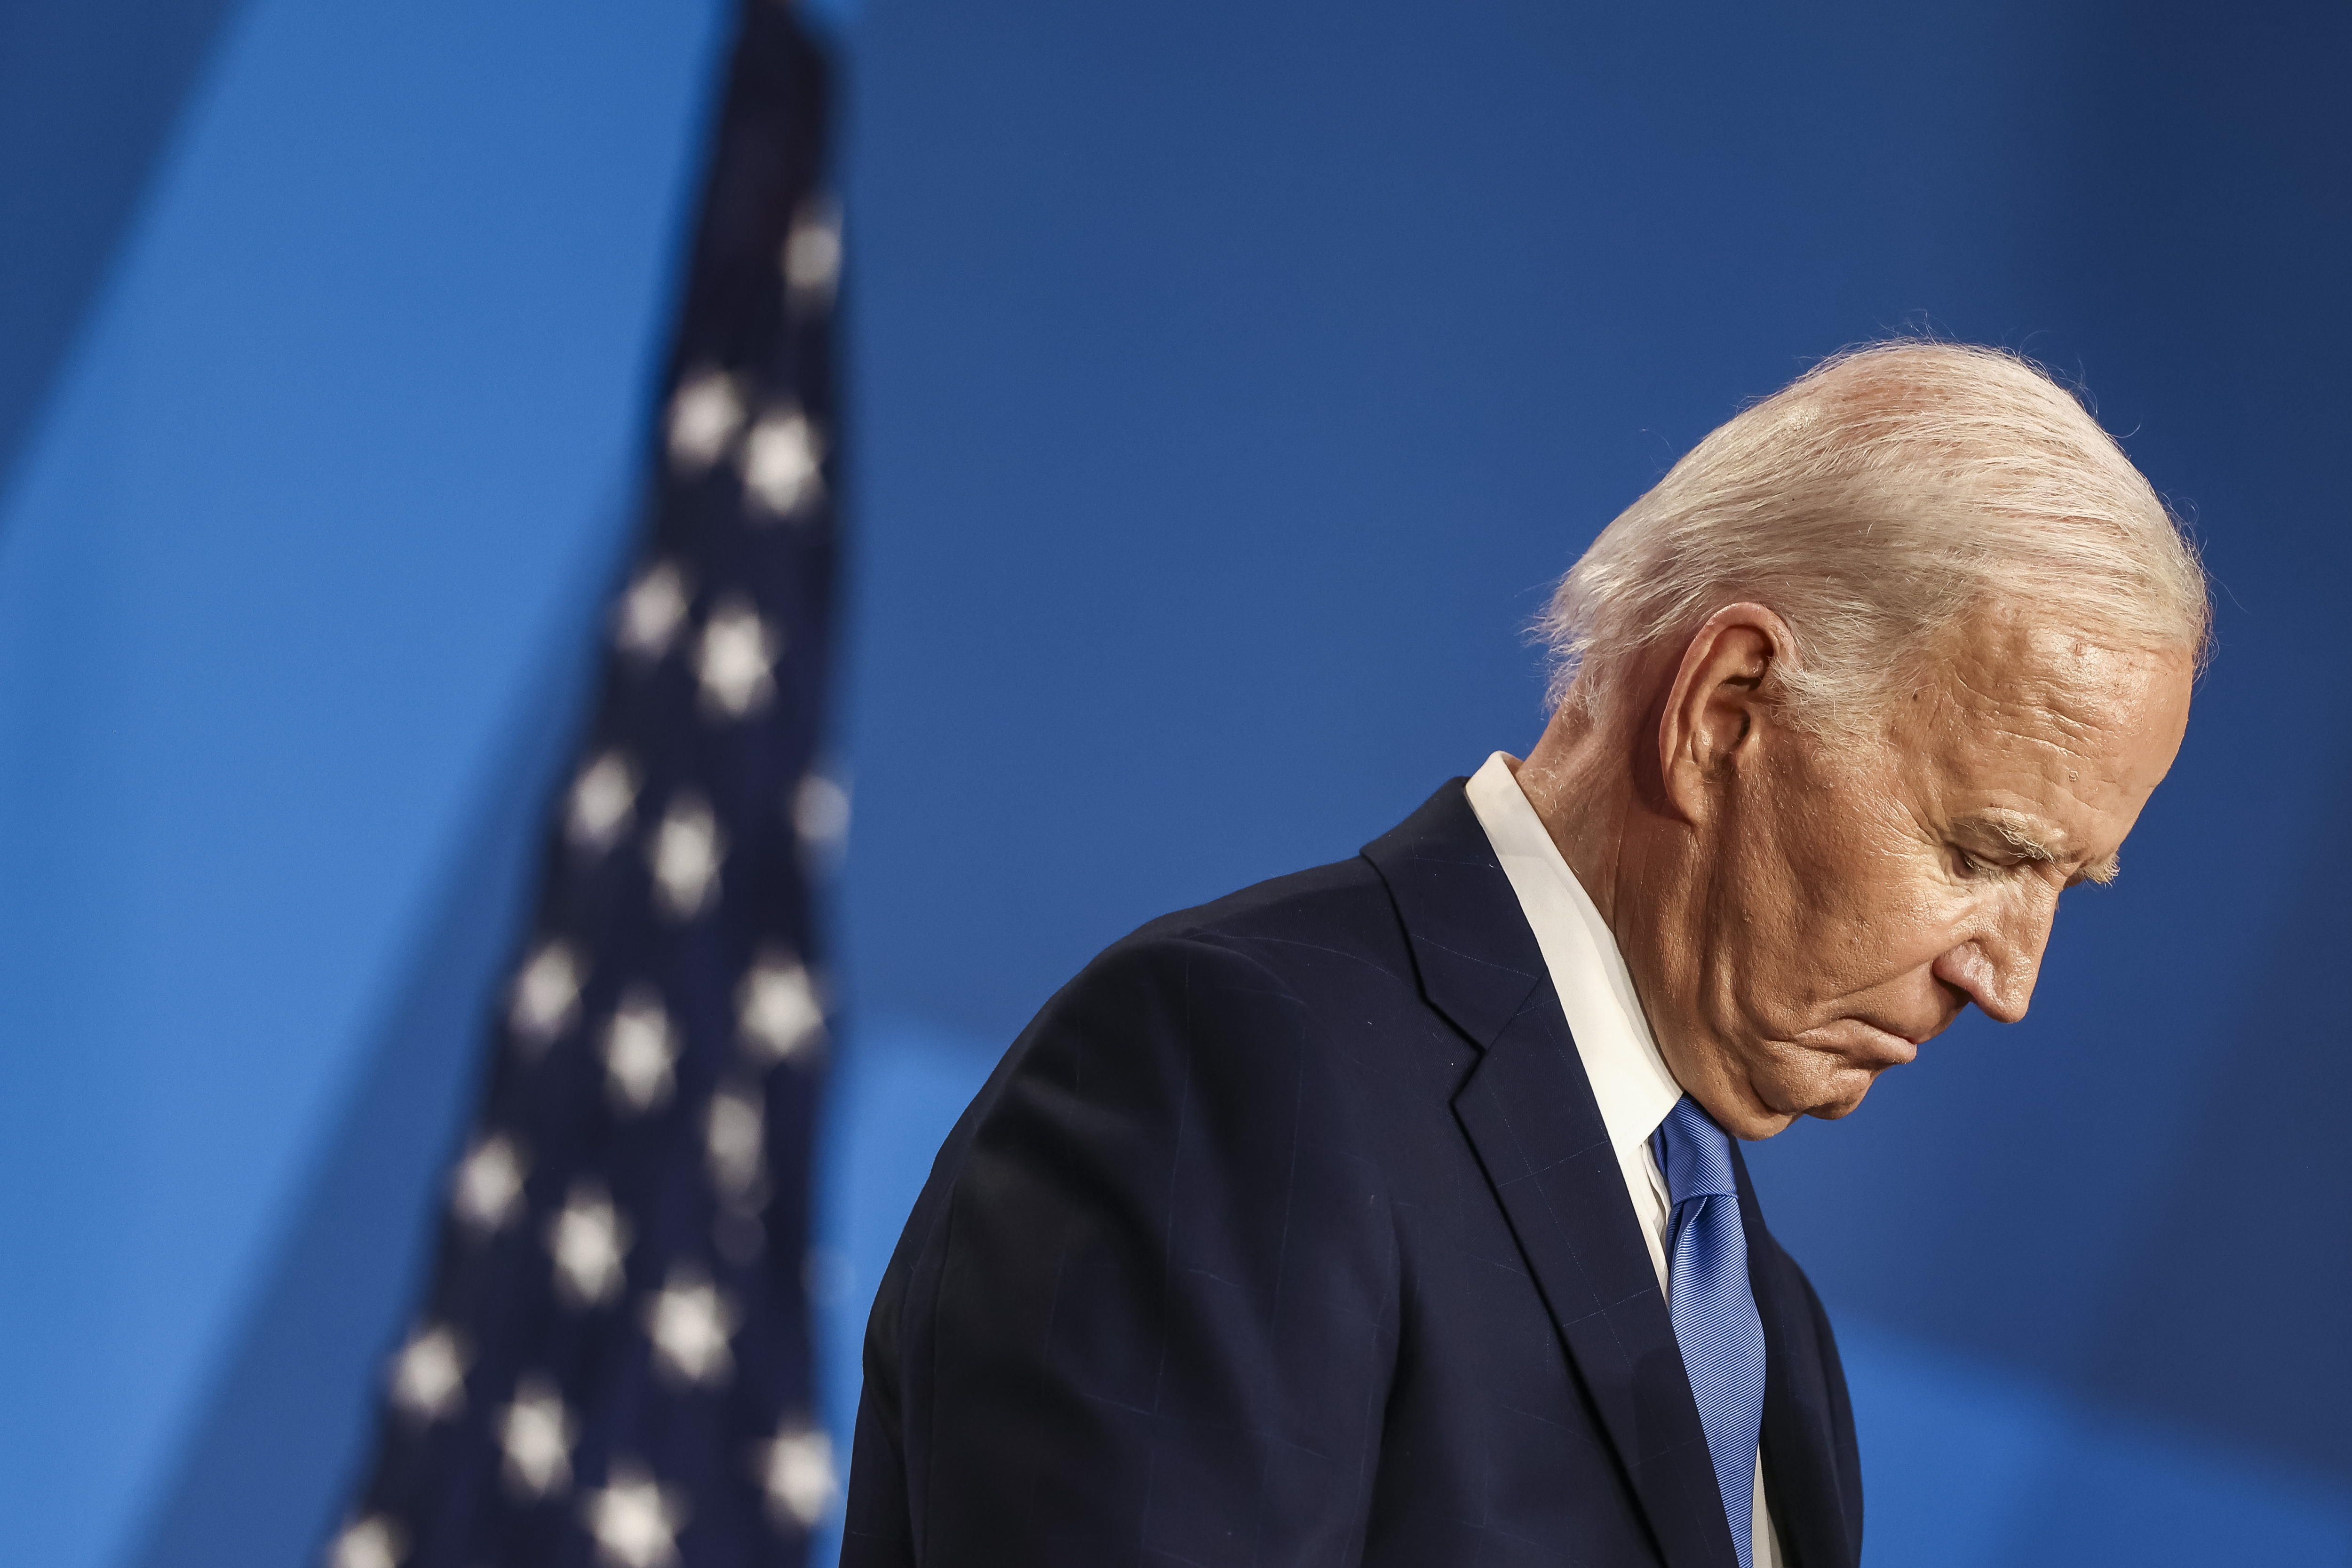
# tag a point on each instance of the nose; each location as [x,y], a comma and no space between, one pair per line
[1995,966]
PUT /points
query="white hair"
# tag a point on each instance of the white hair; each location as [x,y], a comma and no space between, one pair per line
[1873,503]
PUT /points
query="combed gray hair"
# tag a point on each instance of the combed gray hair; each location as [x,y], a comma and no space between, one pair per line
[1871,504]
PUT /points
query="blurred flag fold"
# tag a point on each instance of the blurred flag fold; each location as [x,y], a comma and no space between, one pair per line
[611,1364]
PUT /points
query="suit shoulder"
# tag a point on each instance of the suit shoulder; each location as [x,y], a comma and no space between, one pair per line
[1258,983]
[1302,930]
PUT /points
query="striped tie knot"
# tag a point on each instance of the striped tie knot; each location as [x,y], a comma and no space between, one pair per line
[1693,1154]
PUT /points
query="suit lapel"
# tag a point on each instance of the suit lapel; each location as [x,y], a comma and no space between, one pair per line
[1529,1111]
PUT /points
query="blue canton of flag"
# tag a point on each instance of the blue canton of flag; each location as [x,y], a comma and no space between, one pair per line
[612,1364]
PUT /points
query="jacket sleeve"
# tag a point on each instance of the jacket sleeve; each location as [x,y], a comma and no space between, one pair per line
[1151,1318]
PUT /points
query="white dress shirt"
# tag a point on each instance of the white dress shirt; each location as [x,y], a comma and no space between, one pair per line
[1630,1079]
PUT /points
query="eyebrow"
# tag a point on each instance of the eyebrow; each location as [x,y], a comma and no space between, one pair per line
[2028,847]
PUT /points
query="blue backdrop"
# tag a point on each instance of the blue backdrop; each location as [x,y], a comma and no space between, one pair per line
[1228,382]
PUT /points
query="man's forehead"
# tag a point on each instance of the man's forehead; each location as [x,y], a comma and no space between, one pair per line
[2043,731]
[2005,659]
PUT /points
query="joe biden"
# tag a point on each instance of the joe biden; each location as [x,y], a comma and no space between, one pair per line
[1392,1213]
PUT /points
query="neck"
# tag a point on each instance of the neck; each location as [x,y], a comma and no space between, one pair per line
[1585,781]
[1578,780]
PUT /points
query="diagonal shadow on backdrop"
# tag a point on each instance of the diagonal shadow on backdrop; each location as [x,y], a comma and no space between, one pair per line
[282,1435]
[90,94]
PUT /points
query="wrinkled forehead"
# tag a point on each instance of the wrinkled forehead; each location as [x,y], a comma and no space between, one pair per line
[2010,700]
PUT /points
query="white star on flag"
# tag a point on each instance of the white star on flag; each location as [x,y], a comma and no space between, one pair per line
[640,1051]
[812,254]
[736,661]
[588,1240]
[777,1008]
[429,1375]
[686,853]
[734,1137]
[489,1188]
[704,416]
[691,1322]
[536,1434]
[546,993]
[634,1519]
[603,797]
[781,462]
[375,1542]
[821,815]
[795,1470]
[651,611]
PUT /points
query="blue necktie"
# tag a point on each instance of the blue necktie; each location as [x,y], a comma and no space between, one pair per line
[1714,1310]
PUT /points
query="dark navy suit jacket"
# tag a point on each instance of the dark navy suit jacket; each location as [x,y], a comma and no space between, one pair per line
[1288,1234]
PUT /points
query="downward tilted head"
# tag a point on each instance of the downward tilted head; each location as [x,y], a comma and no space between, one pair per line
[1845,700]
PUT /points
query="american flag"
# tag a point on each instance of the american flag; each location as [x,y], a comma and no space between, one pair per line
[612,1363]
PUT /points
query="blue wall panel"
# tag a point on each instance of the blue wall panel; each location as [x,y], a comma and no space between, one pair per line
[90,94]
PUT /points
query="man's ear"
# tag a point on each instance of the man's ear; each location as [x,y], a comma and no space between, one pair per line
[1710,721]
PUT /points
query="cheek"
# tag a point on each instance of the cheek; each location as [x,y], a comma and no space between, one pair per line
[1835,906]
[1782,925]
[1889,927]
[1825,877]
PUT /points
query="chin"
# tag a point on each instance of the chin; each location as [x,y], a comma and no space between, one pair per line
[1842,1095]
[1824,1089]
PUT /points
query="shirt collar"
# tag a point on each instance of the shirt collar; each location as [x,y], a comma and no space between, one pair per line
[1630,1079]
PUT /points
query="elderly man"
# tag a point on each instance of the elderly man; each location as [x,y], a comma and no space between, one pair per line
[1390,1213]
